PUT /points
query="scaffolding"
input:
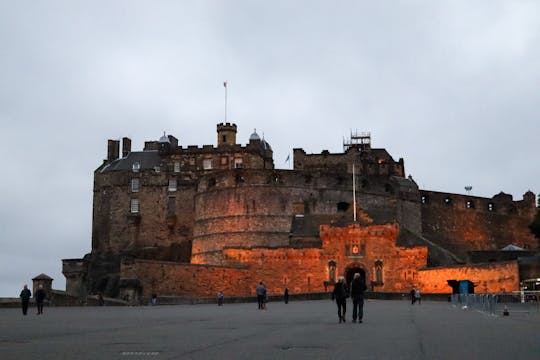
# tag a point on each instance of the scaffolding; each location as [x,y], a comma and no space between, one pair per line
[361,141]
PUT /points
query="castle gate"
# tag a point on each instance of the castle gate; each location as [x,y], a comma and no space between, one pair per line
[351,270]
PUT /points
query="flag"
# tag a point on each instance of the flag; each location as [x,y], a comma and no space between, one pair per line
[288,158]
[224,84]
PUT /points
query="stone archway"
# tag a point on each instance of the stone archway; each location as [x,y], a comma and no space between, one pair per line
[353,269]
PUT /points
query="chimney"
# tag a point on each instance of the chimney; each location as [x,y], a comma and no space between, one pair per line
[113,149]
[126,146]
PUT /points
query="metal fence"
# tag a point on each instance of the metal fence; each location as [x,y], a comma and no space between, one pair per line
[518,302]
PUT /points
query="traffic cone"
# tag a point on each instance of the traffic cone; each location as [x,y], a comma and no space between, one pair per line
[505,311]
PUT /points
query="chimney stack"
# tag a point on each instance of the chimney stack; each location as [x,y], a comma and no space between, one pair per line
[113,149]
[126,146]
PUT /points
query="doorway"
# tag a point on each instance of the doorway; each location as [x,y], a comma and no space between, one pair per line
[349,274]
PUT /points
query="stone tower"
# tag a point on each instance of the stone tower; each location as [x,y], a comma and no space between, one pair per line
[226,134]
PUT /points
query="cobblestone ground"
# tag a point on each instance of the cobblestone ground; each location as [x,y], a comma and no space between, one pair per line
[298,330]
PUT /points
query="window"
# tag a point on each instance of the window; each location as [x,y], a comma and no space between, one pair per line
[491,207]
[379,272]
[239,179]
[238,163]
[424,199]
[135,184]
[136,166]
[332,272]
[448,201]
[157,169]
[207,164]
[224,160]
[172,184]
[176,167]
[135,206]
[343,206]
[469,204]
[171,206]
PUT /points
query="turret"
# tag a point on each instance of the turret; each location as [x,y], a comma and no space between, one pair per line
[226,134]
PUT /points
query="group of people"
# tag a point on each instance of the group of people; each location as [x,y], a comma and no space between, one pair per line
[39,296]
[356,291]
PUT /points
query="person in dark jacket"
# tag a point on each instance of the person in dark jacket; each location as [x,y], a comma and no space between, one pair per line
[40,296]
[340,295]
[261,293]
[358,287]
[25,298]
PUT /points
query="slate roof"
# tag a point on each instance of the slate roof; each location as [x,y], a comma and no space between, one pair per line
[43,277]
[146,159]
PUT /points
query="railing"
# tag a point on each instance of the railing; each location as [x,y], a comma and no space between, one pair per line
[517,302]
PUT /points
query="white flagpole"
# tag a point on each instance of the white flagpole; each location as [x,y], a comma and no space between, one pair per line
[354,193]
[225,85]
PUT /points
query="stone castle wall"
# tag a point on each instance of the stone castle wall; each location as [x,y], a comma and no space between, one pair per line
[301,270]
[482,224]
[488,278]
[165,218]
[253,208]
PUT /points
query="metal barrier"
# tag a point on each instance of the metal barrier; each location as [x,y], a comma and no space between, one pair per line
[518,302]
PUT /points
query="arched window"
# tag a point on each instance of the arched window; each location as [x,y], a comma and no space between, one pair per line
[379,272]
[332,272]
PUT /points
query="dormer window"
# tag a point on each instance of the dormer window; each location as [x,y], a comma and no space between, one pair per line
[136,166]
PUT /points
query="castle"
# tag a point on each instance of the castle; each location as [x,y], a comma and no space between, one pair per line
[191,221]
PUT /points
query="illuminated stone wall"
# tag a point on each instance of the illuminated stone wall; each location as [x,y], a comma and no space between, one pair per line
[488,278]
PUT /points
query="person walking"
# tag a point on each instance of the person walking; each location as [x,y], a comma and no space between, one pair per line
[40,297]
[417,296]
[286,295]
[358,287]
[412,294]
[261,293]
[220,298]
[340,295]
[25,299]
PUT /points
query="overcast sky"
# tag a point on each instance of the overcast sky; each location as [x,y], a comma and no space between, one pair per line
[450,86]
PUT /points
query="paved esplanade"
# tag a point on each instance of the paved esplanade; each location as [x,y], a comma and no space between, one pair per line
[299,330]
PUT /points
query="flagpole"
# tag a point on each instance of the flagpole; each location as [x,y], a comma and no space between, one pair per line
[354,193]
[225,85]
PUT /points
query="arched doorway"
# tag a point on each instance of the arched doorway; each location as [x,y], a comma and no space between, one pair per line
[350,271]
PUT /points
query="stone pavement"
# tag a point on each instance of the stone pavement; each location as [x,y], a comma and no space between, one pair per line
[299,330]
